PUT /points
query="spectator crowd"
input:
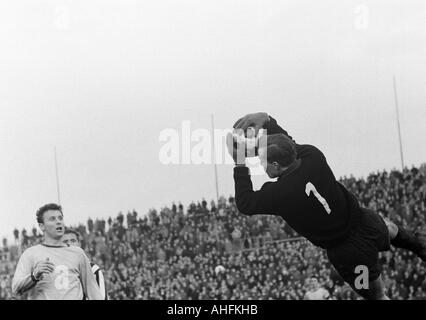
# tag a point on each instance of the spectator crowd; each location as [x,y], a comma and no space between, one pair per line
[174,253]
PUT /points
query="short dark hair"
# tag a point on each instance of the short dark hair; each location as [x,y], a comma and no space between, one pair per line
[280,149]
[47,207]
[74,232]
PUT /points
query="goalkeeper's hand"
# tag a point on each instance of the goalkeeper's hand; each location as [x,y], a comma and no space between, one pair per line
[255,120]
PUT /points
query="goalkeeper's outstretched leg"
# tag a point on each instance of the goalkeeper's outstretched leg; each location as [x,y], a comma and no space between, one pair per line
[401,238]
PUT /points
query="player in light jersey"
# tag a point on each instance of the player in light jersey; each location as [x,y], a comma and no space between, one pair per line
[52,271]
[72,238]
[315,291]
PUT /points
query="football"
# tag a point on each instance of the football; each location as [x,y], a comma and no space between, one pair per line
[250,141]
[219,269]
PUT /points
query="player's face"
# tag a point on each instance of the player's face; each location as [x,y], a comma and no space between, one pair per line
[314,283]
[264,161]
[70,239]
[53,224]
[270,169]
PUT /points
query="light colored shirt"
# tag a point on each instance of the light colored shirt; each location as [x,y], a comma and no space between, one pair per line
[319,294]
[72,278]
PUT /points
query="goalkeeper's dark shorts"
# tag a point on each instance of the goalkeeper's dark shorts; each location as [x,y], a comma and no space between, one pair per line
[368,237]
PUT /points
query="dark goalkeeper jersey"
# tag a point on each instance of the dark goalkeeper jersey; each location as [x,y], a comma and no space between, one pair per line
[307,196]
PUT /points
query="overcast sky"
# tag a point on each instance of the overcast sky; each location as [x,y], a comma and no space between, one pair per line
[100,80]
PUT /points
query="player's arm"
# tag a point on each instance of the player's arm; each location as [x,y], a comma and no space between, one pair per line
[88,280]
[22,280]
[250,202]
[272,127]
[326,294]
[26,276]
[260,120]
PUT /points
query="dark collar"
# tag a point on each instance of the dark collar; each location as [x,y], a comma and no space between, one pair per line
[50,246]
[293,167]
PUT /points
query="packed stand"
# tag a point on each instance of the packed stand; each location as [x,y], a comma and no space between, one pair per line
[214,252]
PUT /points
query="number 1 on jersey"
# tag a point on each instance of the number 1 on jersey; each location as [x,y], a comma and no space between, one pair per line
[311,188]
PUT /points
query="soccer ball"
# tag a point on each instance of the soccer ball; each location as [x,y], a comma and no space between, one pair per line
[219,269]
[250,142]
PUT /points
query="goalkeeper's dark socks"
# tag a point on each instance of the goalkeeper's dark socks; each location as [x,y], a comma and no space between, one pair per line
[407,240]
